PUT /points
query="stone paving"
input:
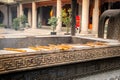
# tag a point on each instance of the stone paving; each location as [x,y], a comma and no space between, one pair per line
[7,33]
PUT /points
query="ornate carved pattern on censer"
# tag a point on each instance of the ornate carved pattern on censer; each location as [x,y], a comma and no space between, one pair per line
[26,61]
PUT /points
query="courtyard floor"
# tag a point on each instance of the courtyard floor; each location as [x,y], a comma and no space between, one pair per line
[45,31]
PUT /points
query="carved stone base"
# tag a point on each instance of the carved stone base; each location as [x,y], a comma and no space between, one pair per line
[65,72]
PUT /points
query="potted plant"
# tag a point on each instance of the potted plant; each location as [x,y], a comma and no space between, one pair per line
[16,23]
[53,22]
[23,20]
[39,24]
[66,19]
[19,22]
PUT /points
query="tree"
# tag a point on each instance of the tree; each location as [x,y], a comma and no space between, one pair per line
[16,23]
[53,22]
[23,20]
[19,22]
[66,19]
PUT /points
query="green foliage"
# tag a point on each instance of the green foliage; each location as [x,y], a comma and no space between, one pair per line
[23,20]
[16,23]
[2,25]
[53,22]
[19,20]
[39,24]
[66,18]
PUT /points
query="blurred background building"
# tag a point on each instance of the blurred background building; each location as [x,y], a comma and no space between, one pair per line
[39,11]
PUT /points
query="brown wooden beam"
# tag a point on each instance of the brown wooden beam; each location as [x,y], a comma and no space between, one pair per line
[110,0]
[27,5]
[46,3]
[49,3]
[1,3]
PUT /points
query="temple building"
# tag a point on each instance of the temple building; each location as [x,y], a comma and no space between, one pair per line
[26,55]
[38,12]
